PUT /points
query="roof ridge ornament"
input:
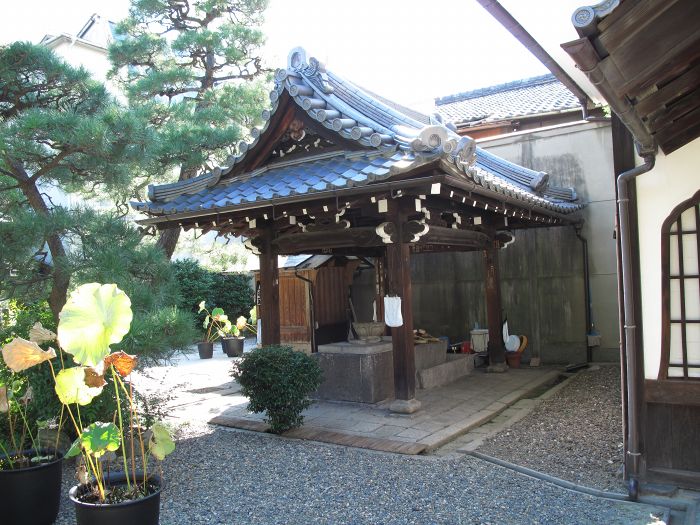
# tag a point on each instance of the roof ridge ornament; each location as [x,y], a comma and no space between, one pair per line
[585,18]
[540,182]
[312,69]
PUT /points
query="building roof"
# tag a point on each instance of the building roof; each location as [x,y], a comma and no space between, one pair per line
[98,32]
[385,144]
[521,98]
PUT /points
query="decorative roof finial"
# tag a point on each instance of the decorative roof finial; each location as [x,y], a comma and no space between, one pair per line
[312,69]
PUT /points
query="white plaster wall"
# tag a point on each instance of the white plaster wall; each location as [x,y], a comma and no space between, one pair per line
[675,178]
[93,58]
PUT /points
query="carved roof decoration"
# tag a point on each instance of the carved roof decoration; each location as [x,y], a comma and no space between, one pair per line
[384,142]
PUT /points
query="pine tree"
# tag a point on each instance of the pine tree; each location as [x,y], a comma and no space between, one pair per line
[195,65]
[58,128]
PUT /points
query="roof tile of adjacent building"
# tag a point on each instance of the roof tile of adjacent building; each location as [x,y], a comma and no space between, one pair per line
[394,143]
[521,98]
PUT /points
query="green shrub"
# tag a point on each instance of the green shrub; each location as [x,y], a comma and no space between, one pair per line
[18,318]
[277,380]
[196,284]
[233,293]
[157,335]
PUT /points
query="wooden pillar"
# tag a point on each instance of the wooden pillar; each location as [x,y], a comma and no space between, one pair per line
[398,283]
[497,352]
[269,289]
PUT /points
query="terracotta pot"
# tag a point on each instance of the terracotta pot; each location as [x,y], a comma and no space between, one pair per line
[513,359]
[206,350]
[21,489]
[142,511]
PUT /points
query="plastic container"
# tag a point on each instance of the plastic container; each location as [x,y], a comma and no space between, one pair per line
[479,340]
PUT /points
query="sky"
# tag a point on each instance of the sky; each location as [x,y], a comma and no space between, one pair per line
[398,49]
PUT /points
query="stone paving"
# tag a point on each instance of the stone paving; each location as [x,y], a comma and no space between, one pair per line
[204,389]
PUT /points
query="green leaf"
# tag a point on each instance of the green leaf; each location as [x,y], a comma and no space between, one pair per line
[205,324]
[161,443]
[217,312]
[95,317]
[74,449]
[100,438]
[201,306]
[71,388]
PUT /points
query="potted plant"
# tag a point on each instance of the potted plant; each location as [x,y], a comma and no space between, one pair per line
[94,318]
[217,325]
[232,342]
[30,468]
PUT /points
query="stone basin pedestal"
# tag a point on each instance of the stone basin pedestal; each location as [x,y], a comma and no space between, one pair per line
[360,372]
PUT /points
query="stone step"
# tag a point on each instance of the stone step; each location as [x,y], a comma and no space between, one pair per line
[456,366]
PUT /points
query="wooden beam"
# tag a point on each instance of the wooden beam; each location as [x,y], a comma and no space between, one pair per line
[269,288]
[352,237]
[497,352]
[455,237]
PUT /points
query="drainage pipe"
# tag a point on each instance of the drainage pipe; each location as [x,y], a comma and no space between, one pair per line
[586,291]
[312,315]
[689,507]
[630,325]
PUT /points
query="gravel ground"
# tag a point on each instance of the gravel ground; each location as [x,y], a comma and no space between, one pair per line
[574,435]
[219,476]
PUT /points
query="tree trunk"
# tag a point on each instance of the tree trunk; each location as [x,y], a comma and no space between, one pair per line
[61,277]
[169,237]
[168,241]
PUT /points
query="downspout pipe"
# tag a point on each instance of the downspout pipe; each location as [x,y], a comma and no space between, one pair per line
[586,291]
[312,307]
[630,323]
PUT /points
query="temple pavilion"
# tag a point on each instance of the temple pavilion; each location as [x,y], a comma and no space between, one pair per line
[336,169]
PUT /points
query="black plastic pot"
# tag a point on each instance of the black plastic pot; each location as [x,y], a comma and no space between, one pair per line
[206,350]
[233,346]
[142,511]
[31,496]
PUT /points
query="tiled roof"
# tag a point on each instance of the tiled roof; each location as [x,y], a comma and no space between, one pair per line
[393,143]
[303,176]
[522,98]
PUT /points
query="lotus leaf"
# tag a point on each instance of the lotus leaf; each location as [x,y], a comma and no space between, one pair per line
[161,443]
[95,317]
[122,362]
[20,354]
[94,379]
[38,334]
[202,306]
[71,387]
[100,438]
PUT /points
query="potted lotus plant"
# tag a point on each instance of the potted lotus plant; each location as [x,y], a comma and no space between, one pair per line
[216,324]
[232,342]
[94,318]
[30,467]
